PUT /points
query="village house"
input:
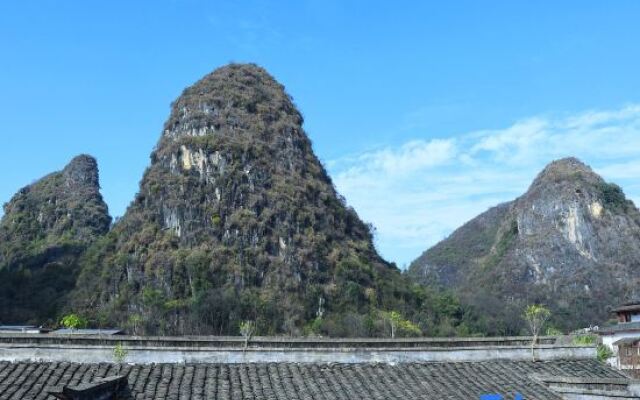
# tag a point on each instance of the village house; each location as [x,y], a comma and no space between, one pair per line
[623,339]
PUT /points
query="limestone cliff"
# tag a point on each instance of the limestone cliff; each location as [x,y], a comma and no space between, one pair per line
[236,219]
[572,241]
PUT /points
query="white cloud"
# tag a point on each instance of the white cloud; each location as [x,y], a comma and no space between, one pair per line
[512,144]
[420,191]
[412,156]
[624,170]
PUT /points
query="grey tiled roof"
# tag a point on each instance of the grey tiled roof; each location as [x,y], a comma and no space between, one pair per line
[623,326]
[449,380]
[629,340]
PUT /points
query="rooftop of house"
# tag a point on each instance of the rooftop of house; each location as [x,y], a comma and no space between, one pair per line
[77,367]
[627,307]
[629,341]
[21,328]
[545,380]
[621,327]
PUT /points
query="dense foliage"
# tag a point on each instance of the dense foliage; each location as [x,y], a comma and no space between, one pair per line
[45,228]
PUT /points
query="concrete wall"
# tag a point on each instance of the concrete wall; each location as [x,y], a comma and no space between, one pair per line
[278,341]
[201,350]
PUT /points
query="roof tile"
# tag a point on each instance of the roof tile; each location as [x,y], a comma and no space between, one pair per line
[451,380]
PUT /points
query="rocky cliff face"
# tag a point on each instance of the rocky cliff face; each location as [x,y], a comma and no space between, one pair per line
[572,241]
[45,228]
[236,219]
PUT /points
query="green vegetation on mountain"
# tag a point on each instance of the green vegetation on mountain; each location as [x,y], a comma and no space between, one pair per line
[236,225]
[571,242]
[237,220]
[45,228]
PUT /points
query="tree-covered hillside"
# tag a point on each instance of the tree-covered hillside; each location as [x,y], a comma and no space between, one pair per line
[45,228]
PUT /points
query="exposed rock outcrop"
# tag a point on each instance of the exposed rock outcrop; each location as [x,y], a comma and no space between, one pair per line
[572,241]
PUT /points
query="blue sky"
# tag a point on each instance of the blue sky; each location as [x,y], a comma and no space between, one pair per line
[425,113]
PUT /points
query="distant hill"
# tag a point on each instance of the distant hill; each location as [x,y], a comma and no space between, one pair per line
[45,228]
[572,242]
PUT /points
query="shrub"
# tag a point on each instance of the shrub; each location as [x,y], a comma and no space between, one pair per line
[73,321]
[584,340]
[536,316]
[400,326]
[551,331]
[120,353]
[603,353]
[612,196]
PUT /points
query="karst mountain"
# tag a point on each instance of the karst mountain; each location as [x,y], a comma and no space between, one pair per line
[571,242]
[237,228]
[237,220]
[45,228]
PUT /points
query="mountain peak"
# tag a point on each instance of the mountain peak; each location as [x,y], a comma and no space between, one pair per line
[82,170]
[231,99]
[247,73]
[66,202]
[567,165]
[568,171]
[46,227]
